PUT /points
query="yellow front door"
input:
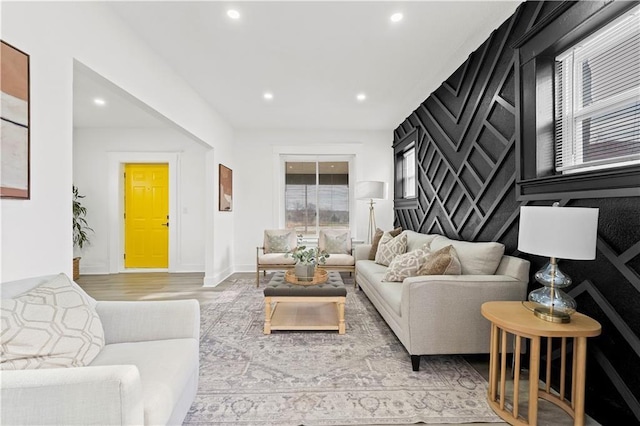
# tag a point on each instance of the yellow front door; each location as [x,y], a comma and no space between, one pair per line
[146,216]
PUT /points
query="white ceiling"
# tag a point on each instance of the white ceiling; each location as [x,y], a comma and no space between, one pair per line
[313,56]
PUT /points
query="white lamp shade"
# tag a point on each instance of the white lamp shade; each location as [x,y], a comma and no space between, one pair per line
[560,232]
[370,189]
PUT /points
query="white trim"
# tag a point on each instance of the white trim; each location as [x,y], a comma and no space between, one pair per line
[217,278]
[115,194]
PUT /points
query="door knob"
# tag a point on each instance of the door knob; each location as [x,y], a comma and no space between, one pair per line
[165,224]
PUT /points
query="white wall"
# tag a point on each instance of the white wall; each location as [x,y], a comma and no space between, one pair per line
[36,234]
[256,174]
[92,150]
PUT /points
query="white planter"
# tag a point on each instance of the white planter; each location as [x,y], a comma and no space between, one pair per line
[305,272]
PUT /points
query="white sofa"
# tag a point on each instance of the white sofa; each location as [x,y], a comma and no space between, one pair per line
[146,373]
[440,314]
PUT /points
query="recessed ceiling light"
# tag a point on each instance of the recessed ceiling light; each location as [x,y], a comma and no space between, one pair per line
[396,17]
[268,96]
[233,14]
[361,97]
[99,101]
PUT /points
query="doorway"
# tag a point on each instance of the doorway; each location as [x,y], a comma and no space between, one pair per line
[146,215]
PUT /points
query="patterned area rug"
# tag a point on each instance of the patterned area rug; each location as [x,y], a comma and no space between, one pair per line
[322,378]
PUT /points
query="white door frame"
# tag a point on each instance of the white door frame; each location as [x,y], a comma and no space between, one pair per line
[115,173]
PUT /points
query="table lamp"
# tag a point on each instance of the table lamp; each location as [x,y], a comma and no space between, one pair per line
[370,190]
[560,233]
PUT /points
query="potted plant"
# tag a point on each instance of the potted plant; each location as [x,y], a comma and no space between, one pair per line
[80,228]
[306,260]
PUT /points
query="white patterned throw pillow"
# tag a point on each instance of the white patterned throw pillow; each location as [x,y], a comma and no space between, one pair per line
[335,241]
[390,247]
[52,325]
[405,265]
[279,240]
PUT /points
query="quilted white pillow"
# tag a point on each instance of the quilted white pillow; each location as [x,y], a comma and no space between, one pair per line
[52,325]
[389,247]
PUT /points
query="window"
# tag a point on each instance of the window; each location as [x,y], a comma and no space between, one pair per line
[590,110]
[406,184]
[316,195]
[597,99]
[409,173]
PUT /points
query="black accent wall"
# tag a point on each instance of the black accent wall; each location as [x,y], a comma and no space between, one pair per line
[467,170]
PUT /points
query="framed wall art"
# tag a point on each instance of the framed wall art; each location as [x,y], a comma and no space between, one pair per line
[14,115]
[225,177]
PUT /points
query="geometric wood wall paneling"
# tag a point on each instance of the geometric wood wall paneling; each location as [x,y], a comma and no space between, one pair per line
[465,148]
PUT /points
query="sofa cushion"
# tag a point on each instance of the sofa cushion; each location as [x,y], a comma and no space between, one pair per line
[390,247]
[275,259]
[441,262]
[376,240]
[166,368]
[390,292]
[52,325]
[405,265]
[335,241]
[279,240]
[475,258]
[416,240]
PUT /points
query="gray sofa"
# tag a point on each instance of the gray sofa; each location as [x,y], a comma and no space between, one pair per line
[440,314]
[146,373]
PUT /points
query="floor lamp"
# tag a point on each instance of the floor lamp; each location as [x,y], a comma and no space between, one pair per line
[370,190]
[557,233]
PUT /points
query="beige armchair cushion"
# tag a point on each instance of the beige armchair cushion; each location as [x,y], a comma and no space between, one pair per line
[335,241]
[275,259]
[279,240]
[340,260]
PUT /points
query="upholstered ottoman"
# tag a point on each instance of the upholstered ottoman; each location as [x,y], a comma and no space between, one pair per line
[304,307]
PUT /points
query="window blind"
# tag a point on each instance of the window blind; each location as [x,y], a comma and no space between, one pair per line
[597,105]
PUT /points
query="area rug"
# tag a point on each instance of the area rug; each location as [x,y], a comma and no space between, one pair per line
[321,377]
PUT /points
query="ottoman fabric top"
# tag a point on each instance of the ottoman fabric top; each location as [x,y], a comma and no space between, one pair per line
[334,287]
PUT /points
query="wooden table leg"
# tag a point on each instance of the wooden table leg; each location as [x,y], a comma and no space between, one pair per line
[579,379]
[341,324]
[267,315]
[493,362]
[534,377]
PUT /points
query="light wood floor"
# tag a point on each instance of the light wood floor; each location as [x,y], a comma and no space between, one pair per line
[164,286]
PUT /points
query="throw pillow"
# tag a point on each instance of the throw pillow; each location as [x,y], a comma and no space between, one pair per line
[52,325]
[279,241]
[376,240]
[335,242]
[441,262]
[405,265]
[390,247]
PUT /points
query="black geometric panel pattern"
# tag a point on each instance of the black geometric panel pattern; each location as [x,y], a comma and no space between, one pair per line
[466,150]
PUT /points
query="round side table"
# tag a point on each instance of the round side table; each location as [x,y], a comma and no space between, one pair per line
[517,319]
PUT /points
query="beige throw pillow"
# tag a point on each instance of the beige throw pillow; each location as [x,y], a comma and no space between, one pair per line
[405,265]
[390,247]
[335,241]
[279,240]
[52,325]
[376,240]
[441,262]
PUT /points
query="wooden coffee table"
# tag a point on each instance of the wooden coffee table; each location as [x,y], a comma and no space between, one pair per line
[290,306]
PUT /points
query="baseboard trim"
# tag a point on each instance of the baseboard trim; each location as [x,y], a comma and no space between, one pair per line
[216,279]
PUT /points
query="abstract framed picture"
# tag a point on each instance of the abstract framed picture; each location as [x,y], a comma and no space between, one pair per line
[225,177]
[14,130]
